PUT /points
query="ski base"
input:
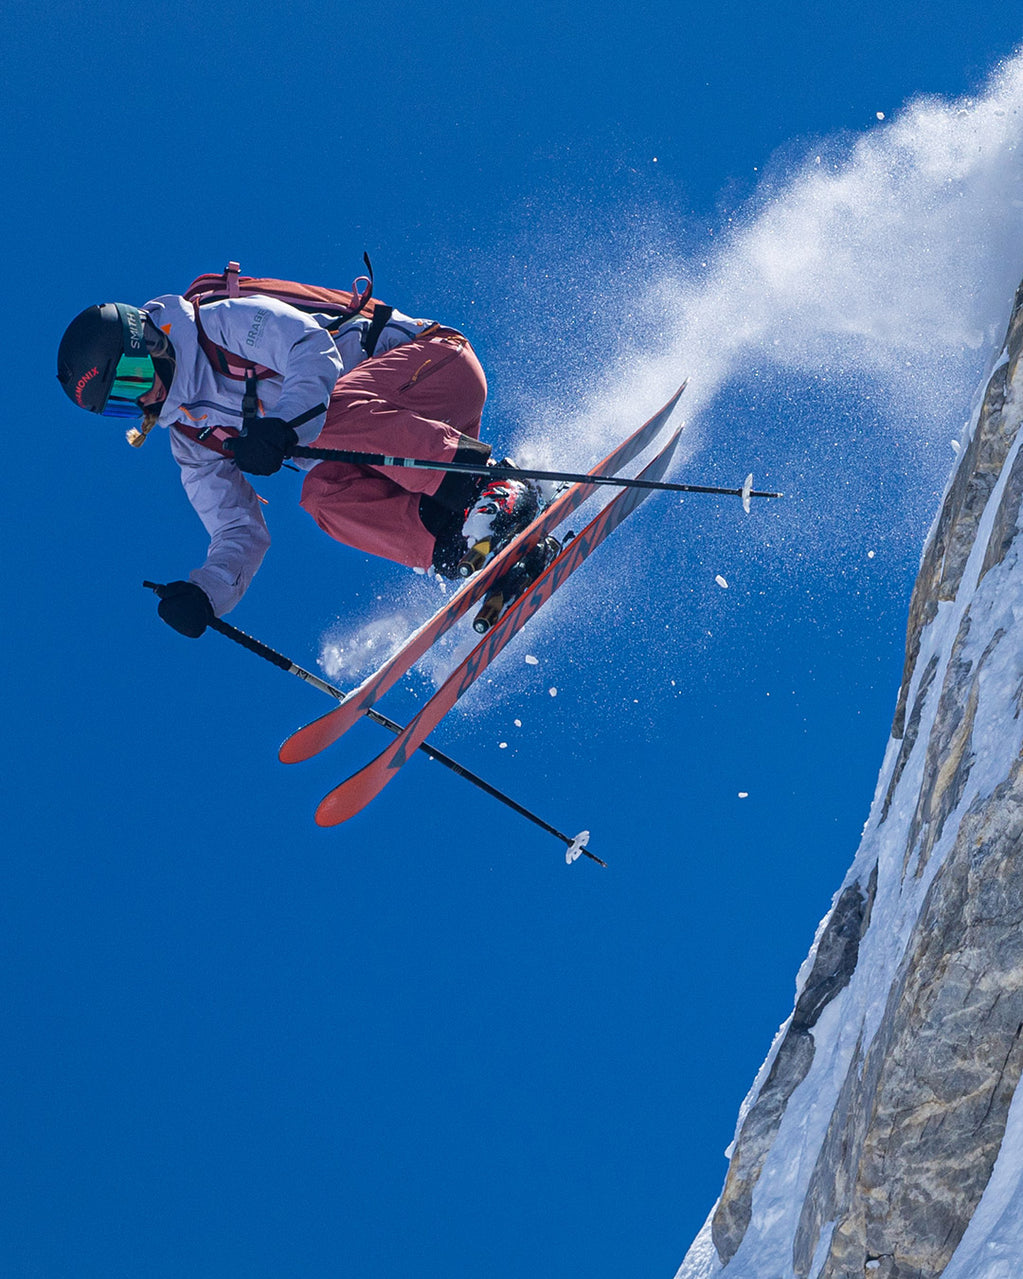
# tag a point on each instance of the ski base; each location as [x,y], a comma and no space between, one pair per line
[322,732]
[352,795]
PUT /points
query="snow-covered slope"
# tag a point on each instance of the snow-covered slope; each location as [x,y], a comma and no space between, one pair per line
[883,1136]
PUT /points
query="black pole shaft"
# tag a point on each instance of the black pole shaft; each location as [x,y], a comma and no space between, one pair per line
[513,472]
[286,664]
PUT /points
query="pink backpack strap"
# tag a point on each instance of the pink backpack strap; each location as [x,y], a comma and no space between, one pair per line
[210,437]
[224,361]
[241,370]
[233,366]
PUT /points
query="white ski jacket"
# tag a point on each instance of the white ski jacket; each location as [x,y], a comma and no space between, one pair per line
[279,336]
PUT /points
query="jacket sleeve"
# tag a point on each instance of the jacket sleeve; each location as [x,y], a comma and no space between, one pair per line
[229,509]
[270,332]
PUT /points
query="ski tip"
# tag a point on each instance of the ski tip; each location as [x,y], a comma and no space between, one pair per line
[678,394]
[323,818]
[303,744]
[332,809]
[318,734]
[290,751]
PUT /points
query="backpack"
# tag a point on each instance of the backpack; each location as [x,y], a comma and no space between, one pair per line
[341,305]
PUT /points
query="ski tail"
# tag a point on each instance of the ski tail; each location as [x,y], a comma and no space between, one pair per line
[322,732]
[351,796]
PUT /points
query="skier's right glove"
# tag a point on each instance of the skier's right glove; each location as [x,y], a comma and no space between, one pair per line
[186,607]
[264,446]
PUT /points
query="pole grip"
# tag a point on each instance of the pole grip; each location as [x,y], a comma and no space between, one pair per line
[239,637]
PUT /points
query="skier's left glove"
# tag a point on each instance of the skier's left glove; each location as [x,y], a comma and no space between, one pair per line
[264,446]
[186,607]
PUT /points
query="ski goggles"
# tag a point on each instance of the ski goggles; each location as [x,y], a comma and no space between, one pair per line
[135,374]
[133,378]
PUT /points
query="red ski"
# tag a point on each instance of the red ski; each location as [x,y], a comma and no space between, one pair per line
[316,736]
[354,794]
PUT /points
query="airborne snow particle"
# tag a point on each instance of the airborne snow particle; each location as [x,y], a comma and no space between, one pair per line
[870,555]
[553,692]
[531,660]
[502,746]
[744,794]
[880,115]
[721,582]
[518,723]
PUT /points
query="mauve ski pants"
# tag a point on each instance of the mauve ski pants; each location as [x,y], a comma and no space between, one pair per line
[417,400]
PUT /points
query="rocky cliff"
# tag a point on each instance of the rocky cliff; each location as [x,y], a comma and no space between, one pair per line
[883,1136]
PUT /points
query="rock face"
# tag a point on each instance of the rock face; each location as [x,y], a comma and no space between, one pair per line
[880,1139]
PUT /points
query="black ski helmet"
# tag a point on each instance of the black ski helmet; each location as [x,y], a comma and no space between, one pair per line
[91,350]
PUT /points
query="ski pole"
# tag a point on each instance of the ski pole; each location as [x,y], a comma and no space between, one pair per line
[502,472]
[576,846]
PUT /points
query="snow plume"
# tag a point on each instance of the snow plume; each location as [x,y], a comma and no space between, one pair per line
[356,646]
[887,260]
[347,657]
[834,331]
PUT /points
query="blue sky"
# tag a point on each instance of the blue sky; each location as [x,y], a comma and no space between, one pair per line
[242,1046]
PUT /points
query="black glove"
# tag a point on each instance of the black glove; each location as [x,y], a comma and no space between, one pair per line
[264,446]
[186,607]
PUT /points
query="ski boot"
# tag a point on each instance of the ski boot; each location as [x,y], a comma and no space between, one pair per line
[503,509]
[507,589]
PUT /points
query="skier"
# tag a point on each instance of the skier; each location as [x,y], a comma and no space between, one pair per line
[420,392]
